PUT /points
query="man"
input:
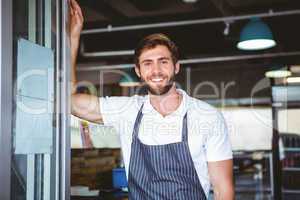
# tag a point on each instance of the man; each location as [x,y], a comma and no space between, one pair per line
[173,145]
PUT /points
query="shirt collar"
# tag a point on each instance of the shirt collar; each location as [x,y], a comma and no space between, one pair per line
[181,110]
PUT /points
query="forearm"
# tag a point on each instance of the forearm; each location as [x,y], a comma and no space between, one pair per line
[221,176]
[74,50]
[76,23]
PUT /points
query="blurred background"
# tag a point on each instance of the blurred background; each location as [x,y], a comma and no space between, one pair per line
[241,56]
[255,86]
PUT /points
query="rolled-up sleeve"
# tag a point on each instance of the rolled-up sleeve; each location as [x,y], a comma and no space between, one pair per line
[114,109]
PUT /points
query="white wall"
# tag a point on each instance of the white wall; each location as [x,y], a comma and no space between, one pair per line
[251,128]
[289,121]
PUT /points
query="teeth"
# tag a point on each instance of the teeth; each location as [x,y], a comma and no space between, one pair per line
[156,79]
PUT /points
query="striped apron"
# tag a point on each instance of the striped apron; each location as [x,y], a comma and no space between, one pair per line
[165,172]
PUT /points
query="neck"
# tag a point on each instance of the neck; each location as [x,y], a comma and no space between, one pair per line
[167,103]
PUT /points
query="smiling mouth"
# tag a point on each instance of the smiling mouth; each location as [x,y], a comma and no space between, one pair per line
[156,80]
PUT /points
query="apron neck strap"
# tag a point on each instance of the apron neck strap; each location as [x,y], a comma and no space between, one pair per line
[184,130]
[137,122]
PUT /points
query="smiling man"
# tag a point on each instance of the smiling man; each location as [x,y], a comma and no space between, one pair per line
[174,146]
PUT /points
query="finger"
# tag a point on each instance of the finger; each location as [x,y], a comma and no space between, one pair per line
[77,9]
[79,20]
[71,11]
[80,14]
[71,7]
[75,5]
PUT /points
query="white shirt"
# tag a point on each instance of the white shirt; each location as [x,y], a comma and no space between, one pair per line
[207,132]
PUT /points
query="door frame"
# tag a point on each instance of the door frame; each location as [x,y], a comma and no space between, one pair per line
[63,101]
[6,33]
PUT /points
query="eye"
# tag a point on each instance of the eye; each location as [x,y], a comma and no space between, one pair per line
[164,61]
[147,63]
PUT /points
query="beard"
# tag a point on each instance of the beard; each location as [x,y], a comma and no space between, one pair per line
[161,90]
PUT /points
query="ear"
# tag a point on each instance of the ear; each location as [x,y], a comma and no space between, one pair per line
[177,67]
[137,71]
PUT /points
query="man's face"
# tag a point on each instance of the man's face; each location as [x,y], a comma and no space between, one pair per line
[157,69]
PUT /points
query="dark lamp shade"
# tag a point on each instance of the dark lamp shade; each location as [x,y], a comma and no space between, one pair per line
[256,35]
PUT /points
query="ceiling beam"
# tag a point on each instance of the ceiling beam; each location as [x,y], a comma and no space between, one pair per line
[203,60]
[110,28]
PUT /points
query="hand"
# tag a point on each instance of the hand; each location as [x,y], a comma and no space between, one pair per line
[76,21]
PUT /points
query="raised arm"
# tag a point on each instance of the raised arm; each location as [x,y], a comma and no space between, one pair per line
[82,105]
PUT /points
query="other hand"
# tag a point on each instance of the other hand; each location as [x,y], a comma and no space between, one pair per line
[76,21]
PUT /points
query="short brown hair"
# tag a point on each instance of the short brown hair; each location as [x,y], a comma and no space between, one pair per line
[151,42]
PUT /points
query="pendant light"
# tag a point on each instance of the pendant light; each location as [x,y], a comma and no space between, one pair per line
[256,35]
[278,72]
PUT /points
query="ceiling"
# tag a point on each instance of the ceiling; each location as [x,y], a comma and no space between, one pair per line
[194,41]
[217,58]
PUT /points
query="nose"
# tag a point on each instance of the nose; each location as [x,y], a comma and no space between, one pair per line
[156,69]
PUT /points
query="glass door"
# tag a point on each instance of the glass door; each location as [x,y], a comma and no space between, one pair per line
[39,155]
